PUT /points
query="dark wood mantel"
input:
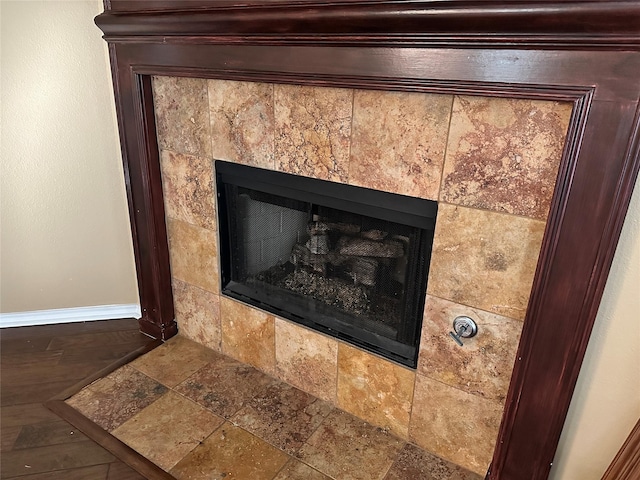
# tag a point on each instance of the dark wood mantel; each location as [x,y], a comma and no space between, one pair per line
[585,52]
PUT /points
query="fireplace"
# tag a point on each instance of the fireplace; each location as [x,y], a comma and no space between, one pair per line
[347,261]
[583,53]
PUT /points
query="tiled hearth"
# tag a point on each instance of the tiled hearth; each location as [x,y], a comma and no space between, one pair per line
[201,415]
[490,162]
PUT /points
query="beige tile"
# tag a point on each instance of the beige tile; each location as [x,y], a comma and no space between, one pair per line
[455,425]
[116,398]
[193,252]
[313,127]
[282,415]
[174,361]
[374,389]
[187,182]
[399,141]
[347,448]
[503,154]
[306,359]
[198,314]
[231,452]
[224,386]
[242,124]
[484,365]
[182,115]
[484,259]
[248,334]
[413,463]
[295,470]
[168,429]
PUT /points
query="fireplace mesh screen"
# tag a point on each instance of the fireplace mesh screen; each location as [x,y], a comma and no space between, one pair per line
[353,263]
[327,262]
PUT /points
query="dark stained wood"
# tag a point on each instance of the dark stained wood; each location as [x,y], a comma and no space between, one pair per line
[53,457]
[584,52]
[84,473]
[50,433]
[146,208]
[33,435]
[76,387]
[24,414]
[626,464]
[33,392]
[10,335]
[544,22]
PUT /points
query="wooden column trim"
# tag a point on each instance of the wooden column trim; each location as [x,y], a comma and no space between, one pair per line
[626,464]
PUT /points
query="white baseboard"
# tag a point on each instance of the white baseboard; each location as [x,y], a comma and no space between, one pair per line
[68,315]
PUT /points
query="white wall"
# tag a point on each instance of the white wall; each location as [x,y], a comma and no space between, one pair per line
[65,238]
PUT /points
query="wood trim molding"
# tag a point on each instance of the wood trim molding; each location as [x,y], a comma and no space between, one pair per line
[626,464]
[585,52]
[471,22]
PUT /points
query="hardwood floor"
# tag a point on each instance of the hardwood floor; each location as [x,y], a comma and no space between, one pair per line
[39,362]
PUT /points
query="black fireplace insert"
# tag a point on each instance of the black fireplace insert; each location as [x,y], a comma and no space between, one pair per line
[347,261]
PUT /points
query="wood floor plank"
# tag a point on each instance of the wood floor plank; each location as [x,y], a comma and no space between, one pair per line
[8,436]
[73,328]
[25,414]
[93,340]
[26,359]
[53,457]
[24,345]
[35,374]
[95,472]
[19,394]
[43,434]
[102,353]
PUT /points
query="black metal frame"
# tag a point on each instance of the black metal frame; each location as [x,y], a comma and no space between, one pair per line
[415,213]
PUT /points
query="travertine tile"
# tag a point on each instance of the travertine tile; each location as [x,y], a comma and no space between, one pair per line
[182,115]
[398,141]
[295,470]
[455,425]
[187,183]
[484,365]
[197,314]
[375,389]
[484,259]
[116,398]
[306,359]
[282,415]
[248,334]
[242,124]
[193,252]
[231,452]
[503,154]
[345,447]
[174,361]
[414,463]
[224,386]
[168,429]
[313,129]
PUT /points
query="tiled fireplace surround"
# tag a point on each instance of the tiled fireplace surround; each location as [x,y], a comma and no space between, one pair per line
[490,162]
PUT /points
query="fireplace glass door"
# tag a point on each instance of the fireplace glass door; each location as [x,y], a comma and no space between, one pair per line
[347,261]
